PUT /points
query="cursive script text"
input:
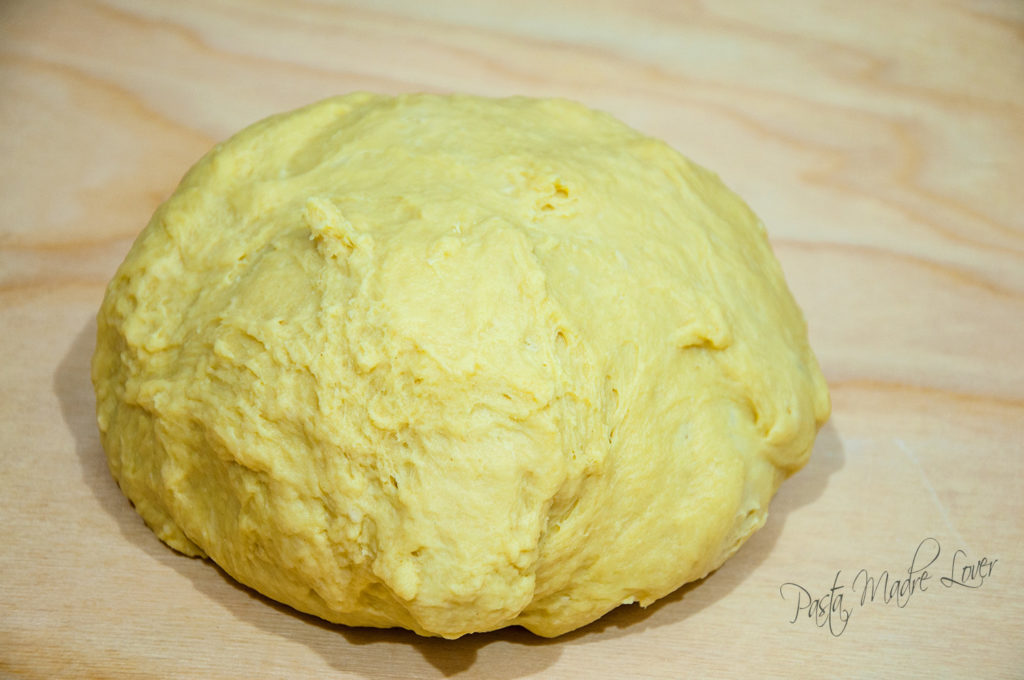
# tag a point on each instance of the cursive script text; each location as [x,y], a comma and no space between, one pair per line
[897,588]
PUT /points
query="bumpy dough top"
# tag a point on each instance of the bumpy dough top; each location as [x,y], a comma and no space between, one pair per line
[453,363]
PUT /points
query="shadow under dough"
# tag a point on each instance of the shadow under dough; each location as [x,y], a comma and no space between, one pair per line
[74,390]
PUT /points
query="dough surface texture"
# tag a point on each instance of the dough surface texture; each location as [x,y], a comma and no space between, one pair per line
[453,364]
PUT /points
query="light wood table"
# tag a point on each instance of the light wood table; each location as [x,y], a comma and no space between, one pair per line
[881,142]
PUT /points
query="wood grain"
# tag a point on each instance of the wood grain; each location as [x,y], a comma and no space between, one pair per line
[880,141]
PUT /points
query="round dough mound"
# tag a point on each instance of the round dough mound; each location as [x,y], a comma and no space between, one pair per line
[452,364]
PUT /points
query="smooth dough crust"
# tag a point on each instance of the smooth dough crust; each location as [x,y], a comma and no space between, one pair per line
[452,364]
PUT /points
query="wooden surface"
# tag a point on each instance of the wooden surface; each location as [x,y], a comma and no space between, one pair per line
[881,142]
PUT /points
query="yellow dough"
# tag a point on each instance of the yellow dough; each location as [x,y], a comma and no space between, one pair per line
[453,363]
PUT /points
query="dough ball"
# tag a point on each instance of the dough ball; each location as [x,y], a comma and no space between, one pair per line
[452,364]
